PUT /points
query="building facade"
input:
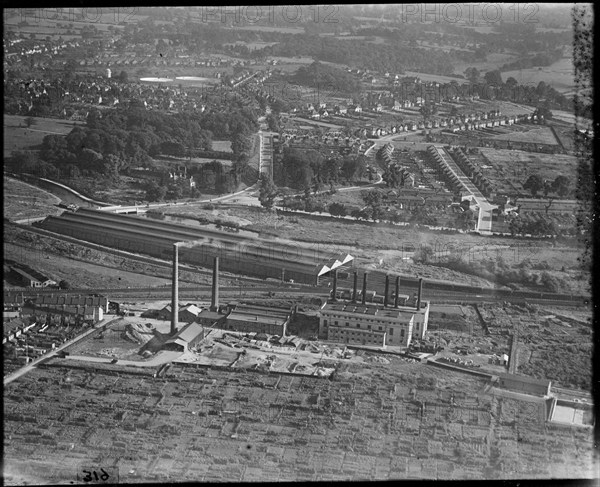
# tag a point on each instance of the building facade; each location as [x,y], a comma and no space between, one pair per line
[369,324]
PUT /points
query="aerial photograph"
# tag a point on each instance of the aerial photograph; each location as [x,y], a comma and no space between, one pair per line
[299,243]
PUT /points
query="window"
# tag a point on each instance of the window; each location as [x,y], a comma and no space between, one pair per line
[358,325]
[336,323]
[369,327]
[402,333]
[391,331]
[380,328]
[325,322]
[347,324]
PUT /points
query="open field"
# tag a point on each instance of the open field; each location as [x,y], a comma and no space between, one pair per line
[383,418]
[84,273]
[221,145]
[559,75]
[22,200]
[18,137]
[261,28]
[536,135]
[206,160]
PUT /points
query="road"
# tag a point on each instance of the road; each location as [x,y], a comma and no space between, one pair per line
[24,370]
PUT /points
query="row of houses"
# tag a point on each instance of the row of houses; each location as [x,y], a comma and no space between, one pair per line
[89,307]
[104,91]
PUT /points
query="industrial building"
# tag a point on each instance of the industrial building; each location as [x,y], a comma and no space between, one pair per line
[186,314]
[373,324]
[258,319]
[521,383]
[90,308]
[235,317]
[186,338]
[30,277]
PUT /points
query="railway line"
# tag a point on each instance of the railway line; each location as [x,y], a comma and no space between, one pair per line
[194,292]
[258,259]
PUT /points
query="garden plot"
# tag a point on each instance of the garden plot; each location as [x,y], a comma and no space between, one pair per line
[536,135]
[512,167]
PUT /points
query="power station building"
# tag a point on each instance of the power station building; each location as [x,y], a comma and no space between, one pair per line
[373,324]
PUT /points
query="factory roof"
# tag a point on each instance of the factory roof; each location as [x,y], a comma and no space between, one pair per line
[334,263]
[188,332]
[524,379]
[30,273]
[258,318]
[262,310]
[68,300]
[207,314]
[369,309]
[191,308]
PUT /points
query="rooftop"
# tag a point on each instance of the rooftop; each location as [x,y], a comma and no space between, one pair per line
[524,379]
[29,273]
[369,309]
[256,317]
[188,333]
[68,300]
[262,310]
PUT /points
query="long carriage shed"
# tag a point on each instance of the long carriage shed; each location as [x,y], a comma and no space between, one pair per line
[252,257]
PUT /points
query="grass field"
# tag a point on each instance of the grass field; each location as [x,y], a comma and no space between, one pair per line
[18,137]
[540,135]
[222,145]
[22,200]
[559,75]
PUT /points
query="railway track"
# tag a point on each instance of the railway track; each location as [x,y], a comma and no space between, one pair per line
[436,297]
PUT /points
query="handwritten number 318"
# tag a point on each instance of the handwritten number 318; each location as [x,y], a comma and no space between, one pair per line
[88,478]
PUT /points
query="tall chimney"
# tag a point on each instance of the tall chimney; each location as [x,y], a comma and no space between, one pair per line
[175,291]
[419,295]
[387,290]
[214,299]
[397,291]
[334,291]
[355,286]
[364,290]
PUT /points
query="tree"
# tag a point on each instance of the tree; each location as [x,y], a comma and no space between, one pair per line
[511,82]
[154,192]
[534,184]
[466,220]
[472,74]
[337,209]
[123,77]
[64,284]
[493,78]
[561,185]
[29,121]
[267,191]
